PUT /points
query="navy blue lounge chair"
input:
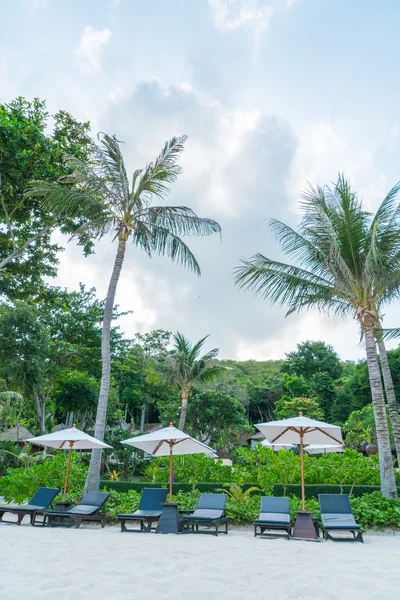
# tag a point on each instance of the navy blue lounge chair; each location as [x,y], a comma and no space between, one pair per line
[89,509]
[336,515]
[40,502]
[210,511]
[149,510]
[274,515]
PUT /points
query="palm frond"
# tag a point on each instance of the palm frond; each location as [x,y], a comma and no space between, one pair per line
[387,335]
[63,201]
[113,166]
[299,247]
[195,350]
[160,241]
[180,220]
[155,178]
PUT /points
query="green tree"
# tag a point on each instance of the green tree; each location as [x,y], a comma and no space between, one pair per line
[323,389]
[75,394]
[24,354]
[29,149]
[346,262]
[216,418]
[288,407]
[360,427]
[184,367]
[99,192]
[311,358]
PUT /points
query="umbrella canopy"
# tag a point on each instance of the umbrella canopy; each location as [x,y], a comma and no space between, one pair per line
[289,431]
[301,430]
[68,439]
[321,449]
[276,447]
[168,441]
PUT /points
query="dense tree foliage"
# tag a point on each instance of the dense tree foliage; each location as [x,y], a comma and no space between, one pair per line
[30,149]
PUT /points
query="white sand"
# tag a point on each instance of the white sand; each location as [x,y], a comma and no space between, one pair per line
[95,564]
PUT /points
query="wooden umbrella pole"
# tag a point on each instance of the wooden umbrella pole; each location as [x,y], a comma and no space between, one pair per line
[170,471]
[303,504]
[67,473]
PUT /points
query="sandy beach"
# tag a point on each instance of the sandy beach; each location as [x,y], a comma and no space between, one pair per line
[96,564]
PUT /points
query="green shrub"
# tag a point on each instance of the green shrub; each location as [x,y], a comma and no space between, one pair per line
[7,460]
[312,491]
[20,484]
[121,502]
[188,469]
[376,511]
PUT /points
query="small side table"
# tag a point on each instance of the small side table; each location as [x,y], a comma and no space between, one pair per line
[169,521]
[58,520]
[304,527]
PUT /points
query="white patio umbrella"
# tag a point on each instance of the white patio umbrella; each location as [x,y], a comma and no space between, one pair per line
[73,439]
[168,441]
[301,430]
[321,449]
[276,447]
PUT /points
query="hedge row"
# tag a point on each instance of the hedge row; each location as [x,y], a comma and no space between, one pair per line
[311,491]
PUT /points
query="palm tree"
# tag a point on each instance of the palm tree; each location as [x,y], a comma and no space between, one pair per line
[184,367]
[98,194]
[390,393]
[345,262]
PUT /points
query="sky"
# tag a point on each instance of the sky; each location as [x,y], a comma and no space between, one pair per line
[272,94]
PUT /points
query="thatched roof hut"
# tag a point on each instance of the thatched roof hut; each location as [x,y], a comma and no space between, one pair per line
[18,434]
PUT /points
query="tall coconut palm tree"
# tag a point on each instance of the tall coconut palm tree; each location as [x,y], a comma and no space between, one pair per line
[184,367]
[389,389]
[345,262]
[99,195]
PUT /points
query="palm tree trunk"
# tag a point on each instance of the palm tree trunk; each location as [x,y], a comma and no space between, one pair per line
[390,396]
[388,482]
[182,420]
[93,477]
[143,416]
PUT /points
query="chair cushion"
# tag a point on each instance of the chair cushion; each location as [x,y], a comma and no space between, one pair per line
[274,518]
[140,514]
[21,507]
[82,509]
[338,521]
[204,513]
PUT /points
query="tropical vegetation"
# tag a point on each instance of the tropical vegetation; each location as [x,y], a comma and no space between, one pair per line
[345,262]
[64,359]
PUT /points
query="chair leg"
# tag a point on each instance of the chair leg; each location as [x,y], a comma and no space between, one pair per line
[77,523]
[20,517]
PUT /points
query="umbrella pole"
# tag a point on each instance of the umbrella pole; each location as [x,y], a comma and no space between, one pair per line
[170,471]
[303,504]
[67,473]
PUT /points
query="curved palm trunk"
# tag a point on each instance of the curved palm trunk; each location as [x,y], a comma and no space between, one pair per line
[390,396]
[388,482]
[182,420]
[93,476]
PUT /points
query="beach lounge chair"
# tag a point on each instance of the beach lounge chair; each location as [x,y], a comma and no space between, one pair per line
[210,511]
[336,515]
[149,510]
[40,502]
[87,510]
[274,515]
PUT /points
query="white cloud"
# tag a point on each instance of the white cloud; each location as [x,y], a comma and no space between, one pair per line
[252,16]
[231,15]
[91,47]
